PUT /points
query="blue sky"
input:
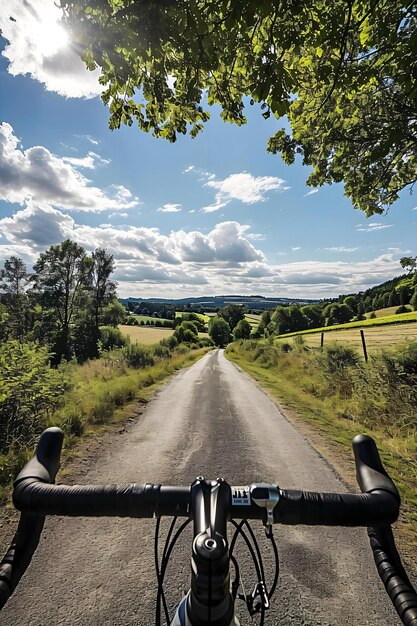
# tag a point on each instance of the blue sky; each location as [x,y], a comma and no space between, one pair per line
[216,214]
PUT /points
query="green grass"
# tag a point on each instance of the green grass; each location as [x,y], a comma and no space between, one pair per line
[149,318]
[402,318]
[102,394]
[337,411]
[390,310]
[202,316]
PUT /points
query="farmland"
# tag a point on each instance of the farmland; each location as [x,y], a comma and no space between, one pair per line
[376,337]
[146,334]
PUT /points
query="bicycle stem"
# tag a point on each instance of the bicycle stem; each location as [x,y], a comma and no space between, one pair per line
[210,600]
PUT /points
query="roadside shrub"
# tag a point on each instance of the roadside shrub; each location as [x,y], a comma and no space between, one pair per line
[29,392]
[205,342]
[162,351]
[170,342]
[111,338]
[131,321]
[142,323]
[336,357]
[137,355]
[158,323]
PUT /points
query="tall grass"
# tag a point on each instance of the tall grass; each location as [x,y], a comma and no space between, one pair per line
[340,395]
[97,390]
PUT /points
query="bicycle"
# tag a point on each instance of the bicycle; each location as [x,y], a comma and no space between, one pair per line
[210,505]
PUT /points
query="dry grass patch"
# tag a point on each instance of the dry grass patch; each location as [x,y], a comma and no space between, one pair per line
[146,334]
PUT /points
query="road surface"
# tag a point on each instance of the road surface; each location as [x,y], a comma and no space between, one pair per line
[209,420]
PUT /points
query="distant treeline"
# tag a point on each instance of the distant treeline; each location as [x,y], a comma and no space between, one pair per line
[400,292]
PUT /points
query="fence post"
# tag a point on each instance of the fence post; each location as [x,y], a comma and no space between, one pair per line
[365,353]
[322,341]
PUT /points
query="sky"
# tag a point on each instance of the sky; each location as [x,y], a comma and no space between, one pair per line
[205,216]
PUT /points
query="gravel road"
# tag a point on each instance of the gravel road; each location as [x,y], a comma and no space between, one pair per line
[209,420]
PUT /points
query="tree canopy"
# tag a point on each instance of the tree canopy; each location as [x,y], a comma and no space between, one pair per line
[343,72]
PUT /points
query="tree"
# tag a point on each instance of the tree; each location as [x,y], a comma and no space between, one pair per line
[219,331]
[343,73]
[60,283]
[409,263]
[103,289]
[242,330]
[338,314]
[113,314]
[187,331]
[232,313]
[14,280]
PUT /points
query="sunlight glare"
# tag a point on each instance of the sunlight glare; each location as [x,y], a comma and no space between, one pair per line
[49,37]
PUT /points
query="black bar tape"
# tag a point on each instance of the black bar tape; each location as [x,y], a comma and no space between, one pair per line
[81,500]
[370,472]
[19,555]
[45,464]
[335,509]
[395,579]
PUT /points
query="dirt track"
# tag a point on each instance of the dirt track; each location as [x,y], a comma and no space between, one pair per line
[209,420]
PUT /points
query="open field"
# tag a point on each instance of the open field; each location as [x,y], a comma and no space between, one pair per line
[252,319]
[146,334]
[376,337]
[402,318]
[390,310]
[148,318]
[202,316]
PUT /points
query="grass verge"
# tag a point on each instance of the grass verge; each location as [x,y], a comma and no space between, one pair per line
[101,391]
[340,404]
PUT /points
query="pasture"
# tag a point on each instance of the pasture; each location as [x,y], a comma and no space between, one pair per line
[146,334]
[376,337]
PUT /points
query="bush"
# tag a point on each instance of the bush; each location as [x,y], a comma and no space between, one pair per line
[158,323]
[402,309]
[336,357]
[142,323]
[372,316]
[137,355]
[186,331]
[111,338]
[170,342]
[286,347]
[162,351]
[29,391]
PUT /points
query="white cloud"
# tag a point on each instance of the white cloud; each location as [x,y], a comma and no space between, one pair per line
[341,249]
[188,169]
[39,175]
[223,260]
[39,46]
[310,193]
[295,248]
[91,161]
[245,187]
[372,226]
[170,208]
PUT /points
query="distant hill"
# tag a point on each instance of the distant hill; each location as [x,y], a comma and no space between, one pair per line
[214,302]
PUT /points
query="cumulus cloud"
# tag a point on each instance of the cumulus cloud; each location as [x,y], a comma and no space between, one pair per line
[244,187]
[369,228]
[150,263]
[39,45]
[39,175]
[170,208]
